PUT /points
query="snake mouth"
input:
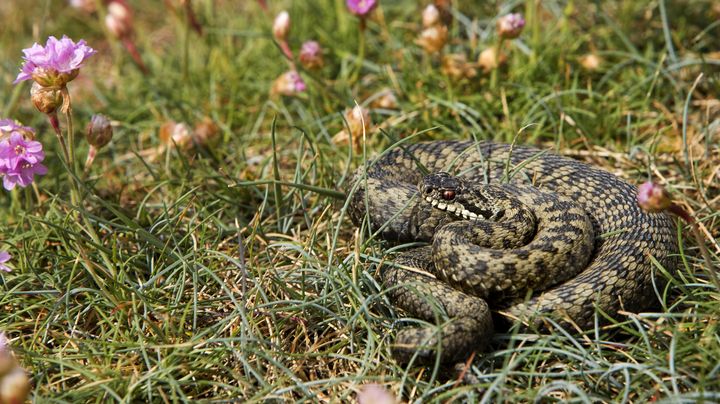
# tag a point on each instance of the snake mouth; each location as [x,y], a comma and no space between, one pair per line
[453,208]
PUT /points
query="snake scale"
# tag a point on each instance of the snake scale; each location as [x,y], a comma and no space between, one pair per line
[537,233]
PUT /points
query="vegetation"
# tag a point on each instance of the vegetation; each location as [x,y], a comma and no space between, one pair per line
[224,267]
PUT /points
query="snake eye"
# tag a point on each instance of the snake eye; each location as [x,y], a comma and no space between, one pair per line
[448,195]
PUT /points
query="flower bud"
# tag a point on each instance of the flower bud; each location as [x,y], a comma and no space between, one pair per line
[311,55]
[510,26]
[119,19]
[430,16]
[14,387]
[99,131]
[653,197]
[46,99]
[289,83]
[433,39]
[281,26]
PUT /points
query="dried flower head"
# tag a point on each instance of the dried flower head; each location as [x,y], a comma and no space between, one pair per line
[457,67]
[510,26]
[590,61]
[4,257]
[430,16]
[176,134]
[20,161]
[56,63]
[653,197]
[361,8]
[46,99]
[358,120]
[311,55]
[433,39]
[281,26]
[490,60]
[289,83]
[118,19]
[358,127]
[206,133]
[386,100]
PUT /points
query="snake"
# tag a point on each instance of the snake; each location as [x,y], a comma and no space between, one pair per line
[509,230]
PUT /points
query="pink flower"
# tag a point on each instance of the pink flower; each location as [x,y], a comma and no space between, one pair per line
[375,394]
[289,83]
[361,8]
[653,197]
[510,26]
[4,257]
[20,161]
[311,55]
[7,126]
[56,63]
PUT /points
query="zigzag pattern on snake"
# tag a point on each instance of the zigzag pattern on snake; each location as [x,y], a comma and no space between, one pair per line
[617,275]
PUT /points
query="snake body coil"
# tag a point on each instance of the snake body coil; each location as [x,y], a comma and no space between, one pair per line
[590,245]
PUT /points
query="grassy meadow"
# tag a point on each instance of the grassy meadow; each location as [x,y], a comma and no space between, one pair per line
[225,268]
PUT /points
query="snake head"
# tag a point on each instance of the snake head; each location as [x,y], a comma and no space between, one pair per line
[449,193]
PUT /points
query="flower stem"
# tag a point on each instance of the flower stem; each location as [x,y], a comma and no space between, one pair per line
[90,158]
[705,254]
[361,51]
[69,146]
[285,47]
[683,214]
[76,186]
[61,139]
[129,45]
[67,111]
[494,72]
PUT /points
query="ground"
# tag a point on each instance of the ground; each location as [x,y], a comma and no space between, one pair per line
[228,270]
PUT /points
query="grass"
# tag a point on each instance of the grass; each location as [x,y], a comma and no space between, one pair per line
[236,275]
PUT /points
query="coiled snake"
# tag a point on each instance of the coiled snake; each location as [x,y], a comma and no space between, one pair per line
[512,222]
